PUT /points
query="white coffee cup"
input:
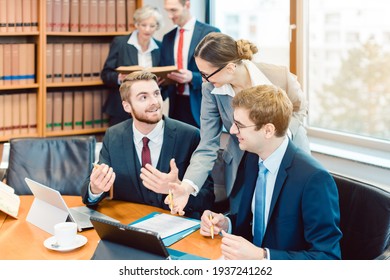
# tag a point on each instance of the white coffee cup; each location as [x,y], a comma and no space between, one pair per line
[65,233]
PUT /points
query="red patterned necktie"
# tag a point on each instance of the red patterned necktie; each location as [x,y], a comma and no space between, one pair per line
[180,87]
[145,152]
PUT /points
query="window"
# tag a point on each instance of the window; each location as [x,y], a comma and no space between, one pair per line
[252,20]
[353,94]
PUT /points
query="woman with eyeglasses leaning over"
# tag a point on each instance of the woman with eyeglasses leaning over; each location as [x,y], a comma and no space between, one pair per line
[226,67]
[137,48]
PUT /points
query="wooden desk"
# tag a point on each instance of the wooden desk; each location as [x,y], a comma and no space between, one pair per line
[21,240]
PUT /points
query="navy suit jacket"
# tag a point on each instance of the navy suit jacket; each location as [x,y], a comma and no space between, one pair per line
[118,151]
[304,215]
[121,54]
[168,58]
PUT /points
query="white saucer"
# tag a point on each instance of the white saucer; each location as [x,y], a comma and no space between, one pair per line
[79,241]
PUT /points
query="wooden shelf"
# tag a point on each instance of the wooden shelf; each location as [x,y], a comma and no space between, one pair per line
[41,39]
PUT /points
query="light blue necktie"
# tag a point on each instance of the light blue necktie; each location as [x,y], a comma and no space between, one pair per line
[259,216]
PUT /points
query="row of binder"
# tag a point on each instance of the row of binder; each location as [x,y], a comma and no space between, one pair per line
[18,113]
[17,64]
[90,15]
[73,110]
[75,62]
[18,15]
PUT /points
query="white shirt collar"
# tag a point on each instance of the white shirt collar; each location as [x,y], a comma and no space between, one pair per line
[257,78]
[153,135]
[190,25]
[272,163]
[133,40]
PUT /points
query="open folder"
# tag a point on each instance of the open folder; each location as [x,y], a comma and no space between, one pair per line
[171,228]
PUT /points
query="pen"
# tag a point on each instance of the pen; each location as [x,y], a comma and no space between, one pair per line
[212,227]
[170,200]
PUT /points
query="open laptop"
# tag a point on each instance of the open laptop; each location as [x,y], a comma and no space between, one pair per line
[49,208]
[124,242]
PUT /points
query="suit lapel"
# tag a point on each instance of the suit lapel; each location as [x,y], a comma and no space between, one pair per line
[168,147]
[196,38]
[132,162]
[282,176]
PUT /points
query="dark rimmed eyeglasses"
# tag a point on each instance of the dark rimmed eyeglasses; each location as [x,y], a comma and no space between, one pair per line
[207,77]
[240,126]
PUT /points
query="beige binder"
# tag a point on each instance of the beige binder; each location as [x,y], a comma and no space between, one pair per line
[15,113]
[30,63]
[65,15]
[49,62]
[2,114]
[67,110]
[120,15]
[57,63]
[102,16]
[49,15]
[77,62]
[49,111]
[23,63]
[34,15]
[32,113]
[110,15]
[11,21]
[26,15]
[68,63]
[74,15]
[8,114]
[104,49]
[131,6]
[78,110]
[18,15]
[1,64]
[57,110]
[57,15]
[15,64]
[84,15]
[7,72]
[97,109]
[96,61]
[88,109]
[93,15]
[23,113]
[105,116]
[3,16]
[87,62]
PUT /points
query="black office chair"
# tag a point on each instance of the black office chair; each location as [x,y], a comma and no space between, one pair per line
[364,220]
[62,163]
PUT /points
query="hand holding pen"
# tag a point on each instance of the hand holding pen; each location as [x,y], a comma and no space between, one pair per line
[212,223]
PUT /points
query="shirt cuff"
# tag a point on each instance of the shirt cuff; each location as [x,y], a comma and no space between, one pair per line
[93,197]
[192,184]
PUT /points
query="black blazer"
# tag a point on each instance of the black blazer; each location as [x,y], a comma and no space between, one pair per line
[118,151]
[121,54]
[168,58]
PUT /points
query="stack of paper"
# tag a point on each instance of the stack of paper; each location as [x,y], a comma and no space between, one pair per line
[171,228]
[9,201]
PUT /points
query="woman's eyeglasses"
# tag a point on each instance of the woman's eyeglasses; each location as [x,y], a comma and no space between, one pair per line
[207,77]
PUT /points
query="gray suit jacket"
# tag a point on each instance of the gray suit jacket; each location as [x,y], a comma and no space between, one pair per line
[217,112]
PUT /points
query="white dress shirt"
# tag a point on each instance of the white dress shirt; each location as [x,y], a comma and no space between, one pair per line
[144,57]
[188,32]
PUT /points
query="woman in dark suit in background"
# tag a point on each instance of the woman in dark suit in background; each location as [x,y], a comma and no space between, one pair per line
[137,48]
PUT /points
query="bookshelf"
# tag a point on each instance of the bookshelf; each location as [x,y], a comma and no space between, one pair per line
[41,110]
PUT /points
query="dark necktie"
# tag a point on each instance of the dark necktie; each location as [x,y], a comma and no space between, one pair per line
[260,191]
[145,155]
[180,87]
